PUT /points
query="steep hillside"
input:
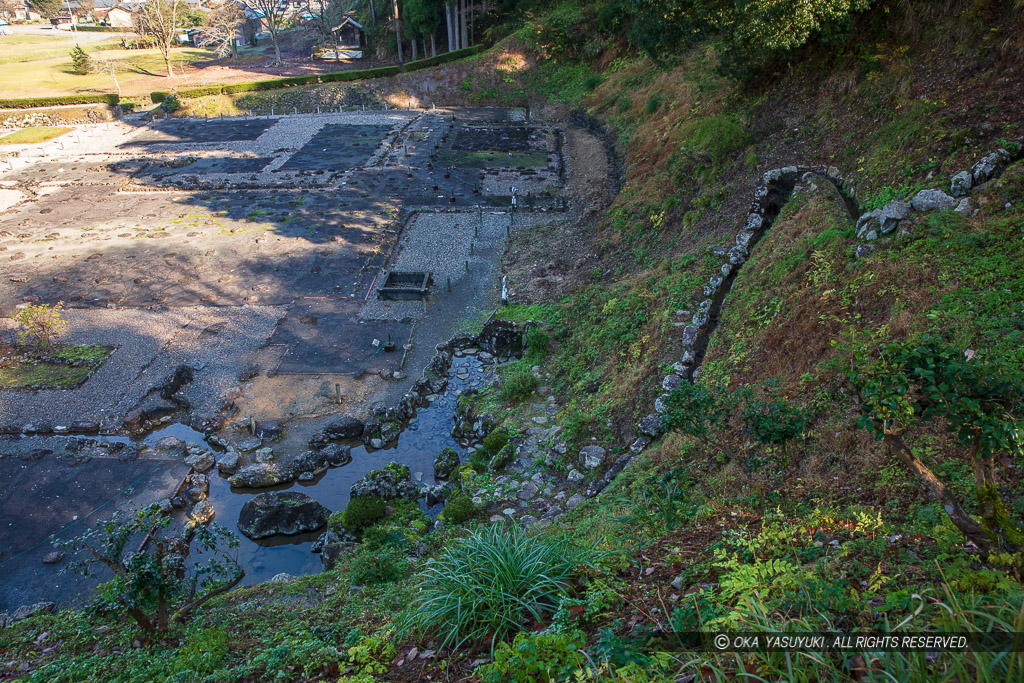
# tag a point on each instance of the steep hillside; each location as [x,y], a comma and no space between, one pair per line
[767,495]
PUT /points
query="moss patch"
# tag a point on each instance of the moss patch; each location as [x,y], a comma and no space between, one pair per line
[65,368]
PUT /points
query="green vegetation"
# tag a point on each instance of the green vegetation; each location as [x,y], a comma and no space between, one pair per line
[81,62]
[156,585]
[459,509]
[848,458]
[493,582]
[33,135]
[361,512]
[61,100]
[63,368]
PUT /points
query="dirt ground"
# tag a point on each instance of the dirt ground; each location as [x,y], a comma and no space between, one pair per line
[550,259]
[251,253]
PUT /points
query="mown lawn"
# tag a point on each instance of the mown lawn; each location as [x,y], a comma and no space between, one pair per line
[41,70]
[32,135]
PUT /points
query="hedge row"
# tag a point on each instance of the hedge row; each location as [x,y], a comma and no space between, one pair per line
[29,102]
[103,29]
[351,75]
[445,57]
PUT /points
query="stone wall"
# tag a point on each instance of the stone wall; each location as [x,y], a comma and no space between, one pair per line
[11,119]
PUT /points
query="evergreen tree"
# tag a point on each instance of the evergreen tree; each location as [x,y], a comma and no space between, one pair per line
[81,62]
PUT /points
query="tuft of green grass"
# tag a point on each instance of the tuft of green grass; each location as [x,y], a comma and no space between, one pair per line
[33,134]
[494,583]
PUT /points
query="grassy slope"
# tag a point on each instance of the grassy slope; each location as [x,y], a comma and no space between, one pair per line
[844,540]
[39,66]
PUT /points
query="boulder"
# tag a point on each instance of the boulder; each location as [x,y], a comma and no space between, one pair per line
[960,184]
[168,443]
[336,454]
[309,461]
[155,407]
[932,200]
[737,256]
[891,214]
[436,493]
[574,501]
[591,456]
[446,462]
[281,513]
[964,206]
[671,382]
[257,476]
[202,513]
[333,549]
[650,425]
[575,476]
[264,455]
[26,611]
[867,221]
[689,336]
[53,557]
[344,427]
[528,492]
[201,462]
[987,167]
[229,463]
[502,458]
[394,481]
[268,429]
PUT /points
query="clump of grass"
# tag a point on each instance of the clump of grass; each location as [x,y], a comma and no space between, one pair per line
[494,583]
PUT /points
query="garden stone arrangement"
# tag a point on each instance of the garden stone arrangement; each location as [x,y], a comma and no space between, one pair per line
[220,282]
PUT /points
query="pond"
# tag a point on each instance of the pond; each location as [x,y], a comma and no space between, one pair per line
[425,435]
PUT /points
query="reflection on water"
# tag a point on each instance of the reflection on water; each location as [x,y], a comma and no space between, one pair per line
[422,439]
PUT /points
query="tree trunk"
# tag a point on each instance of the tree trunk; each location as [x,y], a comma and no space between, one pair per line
[373,14]
[398,30]
[472,23]
[415,50]
[963,521]
[451,29]
[433,45]
[167,61]
[994,516]
[463,35]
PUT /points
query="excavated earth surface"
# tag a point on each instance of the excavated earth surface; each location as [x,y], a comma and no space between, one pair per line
[235,266]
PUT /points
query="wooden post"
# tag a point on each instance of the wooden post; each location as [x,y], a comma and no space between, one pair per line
[337,394]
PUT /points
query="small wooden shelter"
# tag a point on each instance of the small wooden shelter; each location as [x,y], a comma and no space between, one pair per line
[350,39]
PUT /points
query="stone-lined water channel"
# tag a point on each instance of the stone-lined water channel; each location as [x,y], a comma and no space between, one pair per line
[73,484]
[425,435]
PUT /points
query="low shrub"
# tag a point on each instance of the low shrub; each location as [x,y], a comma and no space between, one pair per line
[517,381]
[444,57]
[460,509]
[385,565]
[60,100]
[171,103]
[362,511]
[494,441]
[536,342]
[157,96]
[494,583]
[535,657]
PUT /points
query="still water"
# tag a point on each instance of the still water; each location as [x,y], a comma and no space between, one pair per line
[422,439]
